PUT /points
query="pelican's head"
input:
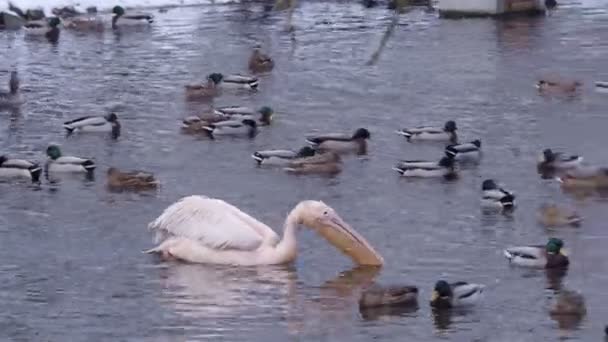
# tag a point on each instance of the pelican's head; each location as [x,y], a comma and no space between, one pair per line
[324,219]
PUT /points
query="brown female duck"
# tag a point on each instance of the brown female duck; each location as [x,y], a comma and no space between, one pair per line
[133,180]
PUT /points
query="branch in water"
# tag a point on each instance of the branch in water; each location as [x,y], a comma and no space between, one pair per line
[400,7]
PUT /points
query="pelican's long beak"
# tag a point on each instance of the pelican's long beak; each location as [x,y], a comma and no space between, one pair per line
[348,241]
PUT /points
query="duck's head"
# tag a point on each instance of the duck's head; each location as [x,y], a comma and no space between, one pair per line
[442,290]
[541,83]
[54,22]
[305,151]
[548,155]
[53,152]
[450,126]
[112,117]
[215,77]
[489,184]
[266,114]
[14,82]
[477,143]
[554,246]
[324,220]
[447,162]
[362,134]
[118,11]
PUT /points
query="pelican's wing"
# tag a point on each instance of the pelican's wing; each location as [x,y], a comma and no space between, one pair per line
[214,223]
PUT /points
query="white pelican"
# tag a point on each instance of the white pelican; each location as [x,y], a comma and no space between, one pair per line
[199,229]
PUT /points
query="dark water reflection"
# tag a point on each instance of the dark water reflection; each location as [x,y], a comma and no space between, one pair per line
[72,267]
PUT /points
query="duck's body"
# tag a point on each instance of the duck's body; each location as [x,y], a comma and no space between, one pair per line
[263,116]
[120,19]
[19,168]
[495,197]
[259,62]
[133,180]
[39,27]
[428,133]
[585,178]
[12,97]
[321,163]
[549,256]
[84,22]
[198,229]
[458,294]
[244,128]
[67,164]
[557,161]
[558,86]
[105,124]
[470,151]
[383,296]
[426,169]
[205,91]
[341,143]
[281,157]
[238,81]
[554,216]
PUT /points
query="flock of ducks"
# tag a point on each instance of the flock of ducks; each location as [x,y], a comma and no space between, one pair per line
[36,23]
[323,155]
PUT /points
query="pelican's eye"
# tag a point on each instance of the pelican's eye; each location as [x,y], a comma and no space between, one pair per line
[326,212]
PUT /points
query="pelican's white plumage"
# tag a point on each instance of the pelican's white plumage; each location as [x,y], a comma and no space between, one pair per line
[212,222]
[204,230]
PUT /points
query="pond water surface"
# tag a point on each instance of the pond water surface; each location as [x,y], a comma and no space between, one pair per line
[72,268]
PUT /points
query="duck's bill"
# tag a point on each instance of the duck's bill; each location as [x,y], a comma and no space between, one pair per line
[342,236]
[434,296]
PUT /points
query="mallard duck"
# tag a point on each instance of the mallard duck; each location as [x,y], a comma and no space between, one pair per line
[48,28]
[463,152]
[19,168]
[119,19]
[379,296]
[341,143]
[281,157]
[130,180]
[263,115]
[247,127]
[59,163]
[570,303]
[557,86]
[11,98]
[426,169]
[235,81]
[495,197]
[447,133]
[107,123]
[551,255]
[259,62]
[555,161]
[448,295]
[320,163]
[205,91]
[553,216]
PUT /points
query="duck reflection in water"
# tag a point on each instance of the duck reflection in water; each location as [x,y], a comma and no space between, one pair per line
[568,310]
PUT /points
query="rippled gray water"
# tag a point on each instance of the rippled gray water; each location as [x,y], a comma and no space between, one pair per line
[71,262]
